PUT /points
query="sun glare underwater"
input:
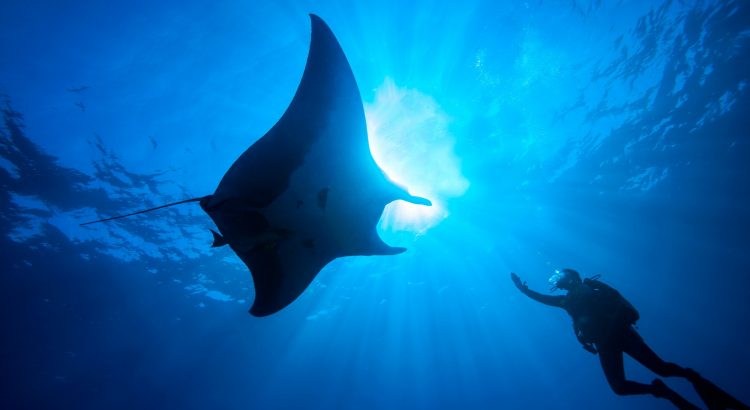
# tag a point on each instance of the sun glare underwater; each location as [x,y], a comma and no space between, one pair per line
[610,137]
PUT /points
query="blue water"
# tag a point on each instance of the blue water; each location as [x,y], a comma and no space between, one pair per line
[606,136]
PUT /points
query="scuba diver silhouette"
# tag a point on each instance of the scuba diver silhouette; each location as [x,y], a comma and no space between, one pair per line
[603,322]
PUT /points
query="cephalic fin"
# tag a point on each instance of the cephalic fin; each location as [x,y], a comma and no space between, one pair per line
[416,200]
[218,239]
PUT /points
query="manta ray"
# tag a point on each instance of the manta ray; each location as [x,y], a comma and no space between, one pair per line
[308,191]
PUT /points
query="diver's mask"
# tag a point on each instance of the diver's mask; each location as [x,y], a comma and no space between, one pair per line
[558,278]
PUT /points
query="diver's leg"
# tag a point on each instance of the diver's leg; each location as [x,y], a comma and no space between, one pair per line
[639,350]
[665,392]
[614,371]
[612,364]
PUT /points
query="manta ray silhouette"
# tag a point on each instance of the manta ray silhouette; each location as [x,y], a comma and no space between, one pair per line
[308,191]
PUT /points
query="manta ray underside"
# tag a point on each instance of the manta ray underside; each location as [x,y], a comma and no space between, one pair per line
[308,191]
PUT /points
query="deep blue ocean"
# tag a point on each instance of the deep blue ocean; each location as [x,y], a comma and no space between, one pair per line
[612,137]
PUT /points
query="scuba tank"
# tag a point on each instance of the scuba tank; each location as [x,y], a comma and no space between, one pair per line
[598,310]
[610,300]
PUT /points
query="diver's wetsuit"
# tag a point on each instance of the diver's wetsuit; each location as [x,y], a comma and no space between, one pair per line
[621,338]
[613,337]
[627,340]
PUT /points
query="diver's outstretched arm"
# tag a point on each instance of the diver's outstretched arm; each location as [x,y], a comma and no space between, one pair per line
[555,301]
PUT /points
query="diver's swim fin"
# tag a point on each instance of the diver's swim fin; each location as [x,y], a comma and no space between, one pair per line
[663,391]
[714,397]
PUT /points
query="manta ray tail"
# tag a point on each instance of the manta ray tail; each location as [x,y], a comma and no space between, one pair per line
[145,210]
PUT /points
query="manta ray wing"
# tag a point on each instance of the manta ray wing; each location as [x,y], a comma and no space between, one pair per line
[308,191]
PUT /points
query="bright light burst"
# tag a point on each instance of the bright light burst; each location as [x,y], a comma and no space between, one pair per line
[410,141]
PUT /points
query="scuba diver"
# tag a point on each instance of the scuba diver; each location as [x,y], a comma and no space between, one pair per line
[603,322]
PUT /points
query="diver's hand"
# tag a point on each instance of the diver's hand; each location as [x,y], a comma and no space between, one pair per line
[517,281]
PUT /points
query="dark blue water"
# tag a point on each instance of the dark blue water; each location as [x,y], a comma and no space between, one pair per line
[610,137]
